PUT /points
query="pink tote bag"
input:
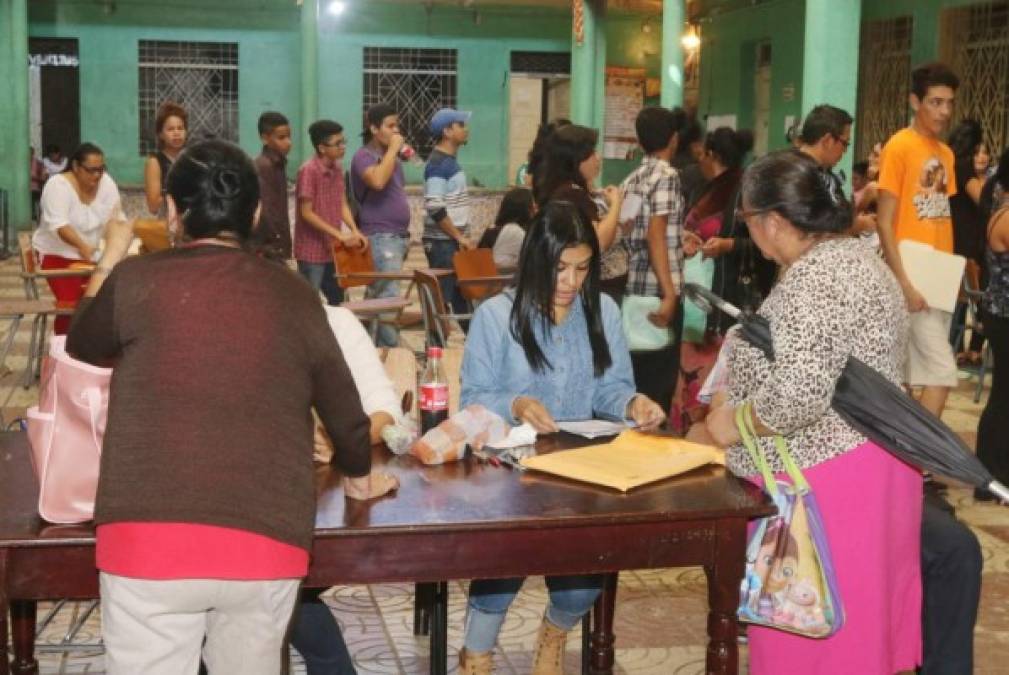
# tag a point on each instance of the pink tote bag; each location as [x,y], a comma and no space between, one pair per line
[65,431]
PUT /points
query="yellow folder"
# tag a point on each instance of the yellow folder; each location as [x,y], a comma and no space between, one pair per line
[630,460]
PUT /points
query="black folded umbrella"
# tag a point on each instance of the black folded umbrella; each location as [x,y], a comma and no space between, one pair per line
[878,408]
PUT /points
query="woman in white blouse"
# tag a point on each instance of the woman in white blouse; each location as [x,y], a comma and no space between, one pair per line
[314,631]
[76,205]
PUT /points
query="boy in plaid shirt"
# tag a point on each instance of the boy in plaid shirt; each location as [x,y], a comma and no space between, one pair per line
[654,245]
[323,215]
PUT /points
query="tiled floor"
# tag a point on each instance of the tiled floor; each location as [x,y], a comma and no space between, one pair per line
[660,623]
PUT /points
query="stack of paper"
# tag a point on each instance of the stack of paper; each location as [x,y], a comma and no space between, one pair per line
[630,460]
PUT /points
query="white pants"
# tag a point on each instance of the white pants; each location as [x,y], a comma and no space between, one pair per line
[158,627]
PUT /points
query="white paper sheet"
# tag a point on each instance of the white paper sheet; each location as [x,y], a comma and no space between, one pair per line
[592,428]
[937,275]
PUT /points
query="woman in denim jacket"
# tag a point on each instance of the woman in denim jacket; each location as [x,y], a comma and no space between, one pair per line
[551,349]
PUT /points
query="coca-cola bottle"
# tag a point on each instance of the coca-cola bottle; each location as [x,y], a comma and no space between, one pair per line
[433,392]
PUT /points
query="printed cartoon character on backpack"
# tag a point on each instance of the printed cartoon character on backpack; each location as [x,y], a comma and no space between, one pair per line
[803,605]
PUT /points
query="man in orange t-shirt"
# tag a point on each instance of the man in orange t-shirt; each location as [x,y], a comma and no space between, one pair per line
[915,182]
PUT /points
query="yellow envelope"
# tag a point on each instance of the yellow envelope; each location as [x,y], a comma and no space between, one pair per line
[630,460]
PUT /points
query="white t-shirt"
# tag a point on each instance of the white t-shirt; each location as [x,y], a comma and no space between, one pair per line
[60,206]
[373,384]
[508,246]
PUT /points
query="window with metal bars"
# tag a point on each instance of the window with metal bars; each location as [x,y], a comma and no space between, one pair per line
[202,77]
[884,77]
[415,82]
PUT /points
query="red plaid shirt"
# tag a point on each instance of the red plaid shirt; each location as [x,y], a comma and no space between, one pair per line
[322,186]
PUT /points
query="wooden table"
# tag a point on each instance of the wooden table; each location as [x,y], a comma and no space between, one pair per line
[457,521]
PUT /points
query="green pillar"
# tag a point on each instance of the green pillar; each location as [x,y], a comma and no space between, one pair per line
[673,14]
[830,58]
[599,77]
[584,66]
[309,73]
[14,141]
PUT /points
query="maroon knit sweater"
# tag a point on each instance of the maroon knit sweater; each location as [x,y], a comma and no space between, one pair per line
[220,357]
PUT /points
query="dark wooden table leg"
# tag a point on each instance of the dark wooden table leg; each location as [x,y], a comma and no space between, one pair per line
[439,629]
[4,663]
[724,574]
[602,628]
[23,625]
[423,599]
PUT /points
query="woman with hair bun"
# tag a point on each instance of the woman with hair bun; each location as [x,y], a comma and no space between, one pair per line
[835,299]
[206,498]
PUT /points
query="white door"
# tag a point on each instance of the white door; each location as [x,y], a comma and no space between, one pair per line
[525,110]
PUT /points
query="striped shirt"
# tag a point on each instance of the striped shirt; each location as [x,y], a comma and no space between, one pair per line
[658,186]
[444,195]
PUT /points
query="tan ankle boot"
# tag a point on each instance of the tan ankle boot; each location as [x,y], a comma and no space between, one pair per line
[475,663]
[548,659]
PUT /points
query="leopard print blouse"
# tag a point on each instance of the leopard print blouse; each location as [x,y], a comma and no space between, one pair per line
[837,300]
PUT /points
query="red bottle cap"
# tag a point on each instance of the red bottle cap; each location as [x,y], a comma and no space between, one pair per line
[434,352]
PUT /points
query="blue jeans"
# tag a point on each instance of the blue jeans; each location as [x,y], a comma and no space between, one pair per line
[389,252]
[322,276]
[317,637]
[439,256]
[570,598]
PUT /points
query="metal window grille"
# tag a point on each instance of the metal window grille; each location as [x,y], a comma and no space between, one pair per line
[415,82]
[976,45]
[883,80]
[202,77]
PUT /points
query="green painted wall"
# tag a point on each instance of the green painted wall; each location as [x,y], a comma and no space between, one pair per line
[268,65]
[484,52]
[926,15]
[628,46]
[728,61]
[268,34]
[14,144]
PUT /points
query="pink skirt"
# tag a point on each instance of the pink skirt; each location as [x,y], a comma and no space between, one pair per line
[871,504]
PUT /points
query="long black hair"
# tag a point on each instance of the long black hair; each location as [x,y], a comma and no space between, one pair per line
[556,227]
[215,189]
[566,148]
[516,207]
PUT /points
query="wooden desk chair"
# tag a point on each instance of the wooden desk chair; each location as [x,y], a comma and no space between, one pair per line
[473,265]
[434,311]
[972,292]
[31,274]
[349,261]
[153,234]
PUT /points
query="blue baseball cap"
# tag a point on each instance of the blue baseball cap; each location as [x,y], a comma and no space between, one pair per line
[445,118]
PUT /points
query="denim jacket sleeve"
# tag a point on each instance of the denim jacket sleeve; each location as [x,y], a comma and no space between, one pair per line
[615,389]
[483,369]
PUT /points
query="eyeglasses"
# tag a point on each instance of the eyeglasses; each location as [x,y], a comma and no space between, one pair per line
[93,170]
[742,215]
[843,141]
[338,144]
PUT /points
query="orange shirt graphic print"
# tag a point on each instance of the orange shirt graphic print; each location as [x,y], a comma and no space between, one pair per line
[932,200]
[918,171]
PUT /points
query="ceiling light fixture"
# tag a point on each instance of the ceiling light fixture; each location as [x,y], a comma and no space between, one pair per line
[691,40]
[337,7]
